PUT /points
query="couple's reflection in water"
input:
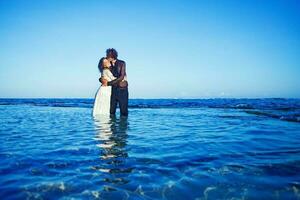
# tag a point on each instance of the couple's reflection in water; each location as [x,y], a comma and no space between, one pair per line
[111,136]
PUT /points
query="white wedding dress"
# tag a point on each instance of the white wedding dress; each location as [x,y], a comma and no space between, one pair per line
[102,98]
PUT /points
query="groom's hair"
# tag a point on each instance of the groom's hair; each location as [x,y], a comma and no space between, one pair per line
[111,52]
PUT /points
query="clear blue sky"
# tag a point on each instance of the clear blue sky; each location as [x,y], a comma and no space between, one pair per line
[173,49]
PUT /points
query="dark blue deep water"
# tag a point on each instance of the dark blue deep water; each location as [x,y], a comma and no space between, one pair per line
[165,149]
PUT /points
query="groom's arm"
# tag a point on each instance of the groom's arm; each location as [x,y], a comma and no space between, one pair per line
[103,81]
[118,80]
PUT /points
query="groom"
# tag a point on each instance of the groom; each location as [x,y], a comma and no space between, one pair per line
[119,93]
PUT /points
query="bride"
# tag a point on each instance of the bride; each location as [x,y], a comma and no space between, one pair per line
[102,98]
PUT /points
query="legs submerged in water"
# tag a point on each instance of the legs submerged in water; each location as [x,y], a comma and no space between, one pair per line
[123,101]
[119,96]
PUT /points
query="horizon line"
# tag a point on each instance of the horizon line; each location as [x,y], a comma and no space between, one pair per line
[167,98]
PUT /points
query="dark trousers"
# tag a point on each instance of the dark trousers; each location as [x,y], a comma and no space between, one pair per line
[120,96]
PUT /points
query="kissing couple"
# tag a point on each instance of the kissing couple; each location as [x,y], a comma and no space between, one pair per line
[114,88]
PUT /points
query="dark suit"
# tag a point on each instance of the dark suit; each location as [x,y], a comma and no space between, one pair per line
[118,94]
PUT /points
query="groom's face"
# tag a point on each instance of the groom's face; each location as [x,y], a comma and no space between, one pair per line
[110,59]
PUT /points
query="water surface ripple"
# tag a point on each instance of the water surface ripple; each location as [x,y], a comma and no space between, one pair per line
[166,152]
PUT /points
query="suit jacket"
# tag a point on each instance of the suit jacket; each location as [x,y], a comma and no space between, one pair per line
[119,71]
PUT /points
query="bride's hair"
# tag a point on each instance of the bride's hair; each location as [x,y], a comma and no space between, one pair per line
[112,53]
[100,65]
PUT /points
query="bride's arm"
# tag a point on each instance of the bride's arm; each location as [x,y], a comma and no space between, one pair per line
[108,74]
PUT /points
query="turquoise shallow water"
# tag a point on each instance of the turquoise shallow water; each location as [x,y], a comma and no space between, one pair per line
[165,149]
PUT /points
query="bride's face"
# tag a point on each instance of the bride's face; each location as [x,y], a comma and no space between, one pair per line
[106,63]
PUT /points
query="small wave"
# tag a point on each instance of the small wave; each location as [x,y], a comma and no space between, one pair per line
[287,117]
[290,118]
[244,106]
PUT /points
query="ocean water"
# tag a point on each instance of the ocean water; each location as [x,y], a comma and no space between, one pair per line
[165,149]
